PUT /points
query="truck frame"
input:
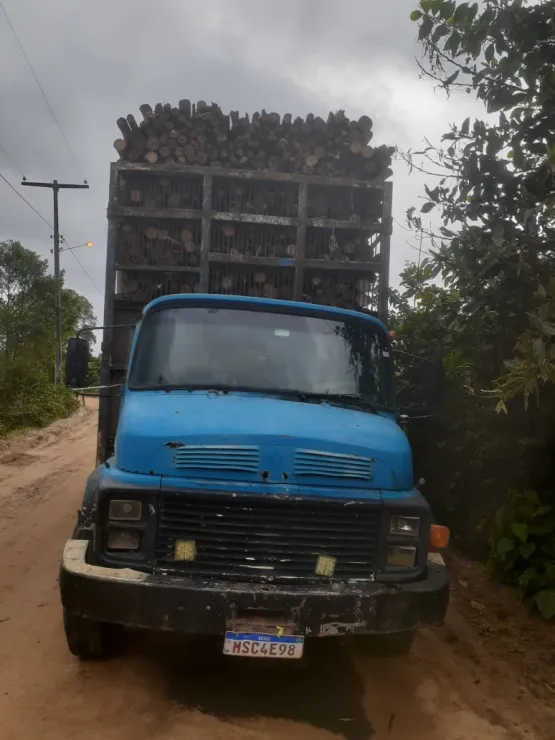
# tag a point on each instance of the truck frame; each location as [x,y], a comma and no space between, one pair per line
[262,499]
[303,213]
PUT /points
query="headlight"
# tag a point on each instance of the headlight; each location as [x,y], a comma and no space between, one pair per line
[404,525]
[121,539]
[400,556]
[125,511]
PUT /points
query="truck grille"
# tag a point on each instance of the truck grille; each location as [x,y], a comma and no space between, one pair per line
[265,536]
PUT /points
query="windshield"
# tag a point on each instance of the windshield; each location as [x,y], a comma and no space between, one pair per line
[234,349]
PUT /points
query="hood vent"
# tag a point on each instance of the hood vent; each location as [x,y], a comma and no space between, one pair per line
[329,465]
[239,458]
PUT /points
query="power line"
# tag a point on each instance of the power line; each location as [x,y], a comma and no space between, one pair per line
[10,160]
[55,187]
[50,108]
[85,271]
[24,199]
[83,267]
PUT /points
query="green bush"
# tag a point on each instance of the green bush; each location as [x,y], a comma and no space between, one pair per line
[37,403]
[523,549]
[28,396]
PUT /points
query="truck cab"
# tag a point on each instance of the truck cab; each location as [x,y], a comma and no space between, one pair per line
[261,489]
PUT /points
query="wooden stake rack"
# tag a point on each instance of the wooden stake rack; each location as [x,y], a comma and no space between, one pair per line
[276,235]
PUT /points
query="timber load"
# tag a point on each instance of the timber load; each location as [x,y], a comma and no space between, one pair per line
[201,134]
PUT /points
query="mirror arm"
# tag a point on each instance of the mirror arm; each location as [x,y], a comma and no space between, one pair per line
[404,421]
[98,328]
[414,357]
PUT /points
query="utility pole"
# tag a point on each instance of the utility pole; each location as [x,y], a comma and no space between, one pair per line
[56,187]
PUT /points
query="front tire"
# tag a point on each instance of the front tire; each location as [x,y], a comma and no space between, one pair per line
[88,639]
[396,643]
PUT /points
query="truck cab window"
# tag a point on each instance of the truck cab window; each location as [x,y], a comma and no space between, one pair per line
[184,347]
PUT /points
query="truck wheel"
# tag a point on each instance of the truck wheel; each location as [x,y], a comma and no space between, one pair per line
[89,639]
[396,643]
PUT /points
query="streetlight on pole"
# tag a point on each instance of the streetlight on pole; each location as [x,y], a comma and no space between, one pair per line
[56,186]
[78,246]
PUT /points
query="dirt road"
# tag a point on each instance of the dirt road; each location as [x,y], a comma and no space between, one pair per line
[489,674]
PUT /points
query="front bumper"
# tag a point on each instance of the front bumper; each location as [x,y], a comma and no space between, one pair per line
[199,606]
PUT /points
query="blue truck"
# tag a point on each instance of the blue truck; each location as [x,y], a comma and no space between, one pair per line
[252,481]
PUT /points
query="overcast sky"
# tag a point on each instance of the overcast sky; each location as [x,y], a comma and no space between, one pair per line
[100,60]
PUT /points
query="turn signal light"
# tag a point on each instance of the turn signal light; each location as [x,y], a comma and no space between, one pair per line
[439,537]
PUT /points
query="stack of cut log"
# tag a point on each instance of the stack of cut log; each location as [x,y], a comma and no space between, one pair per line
[143,288]
[346,292]
[201,134]
[158,246]
[257,284]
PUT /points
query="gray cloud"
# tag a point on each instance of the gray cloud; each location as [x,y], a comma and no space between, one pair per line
[101,60]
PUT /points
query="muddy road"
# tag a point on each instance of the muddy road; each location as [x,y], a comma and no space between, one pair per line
[488,674]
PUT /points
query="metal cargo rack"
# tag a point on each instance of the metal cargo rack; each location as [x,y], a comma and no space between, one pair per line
[187,229]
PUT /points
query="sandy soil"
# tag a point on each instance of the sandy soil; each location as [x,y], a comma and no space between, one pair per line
[488,674]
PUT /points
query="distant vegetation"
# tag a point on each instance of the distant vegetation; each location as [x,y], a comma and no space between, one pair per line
[28,396]
[488,456]
[93,378]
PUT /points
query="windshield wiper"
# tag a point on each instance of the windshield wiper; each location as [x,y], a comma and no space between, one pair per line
[216,387]
[352,399]
[225,388]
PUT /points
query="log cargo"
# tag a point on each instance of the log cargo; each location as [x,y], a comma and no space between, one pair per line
[201,134]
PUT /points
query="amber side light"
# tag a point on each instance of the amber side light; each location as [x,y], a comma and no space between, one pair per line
[439,537]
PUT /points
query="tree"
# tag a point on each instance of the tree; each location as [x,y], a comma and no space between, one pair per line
[497,178]
[23,289]
[27,299]
[494,195]
[27,338]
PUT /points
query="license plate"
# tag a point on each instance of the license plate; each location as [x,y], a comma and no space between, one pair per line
[247,645]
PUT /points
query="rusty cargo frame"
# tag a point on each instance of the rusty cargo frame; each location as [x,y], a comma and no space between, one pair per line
[114,348]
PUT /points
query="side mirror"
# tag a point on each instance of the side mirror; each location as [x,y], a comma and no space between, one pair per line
[431,376]
[420,383]
[77,362]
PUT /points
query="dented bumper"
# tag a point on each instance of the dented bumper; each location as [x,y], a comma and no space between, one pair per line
[196,606]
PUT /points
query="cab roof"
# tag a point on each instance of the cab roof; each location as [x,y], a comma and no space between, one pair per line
[199,299]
